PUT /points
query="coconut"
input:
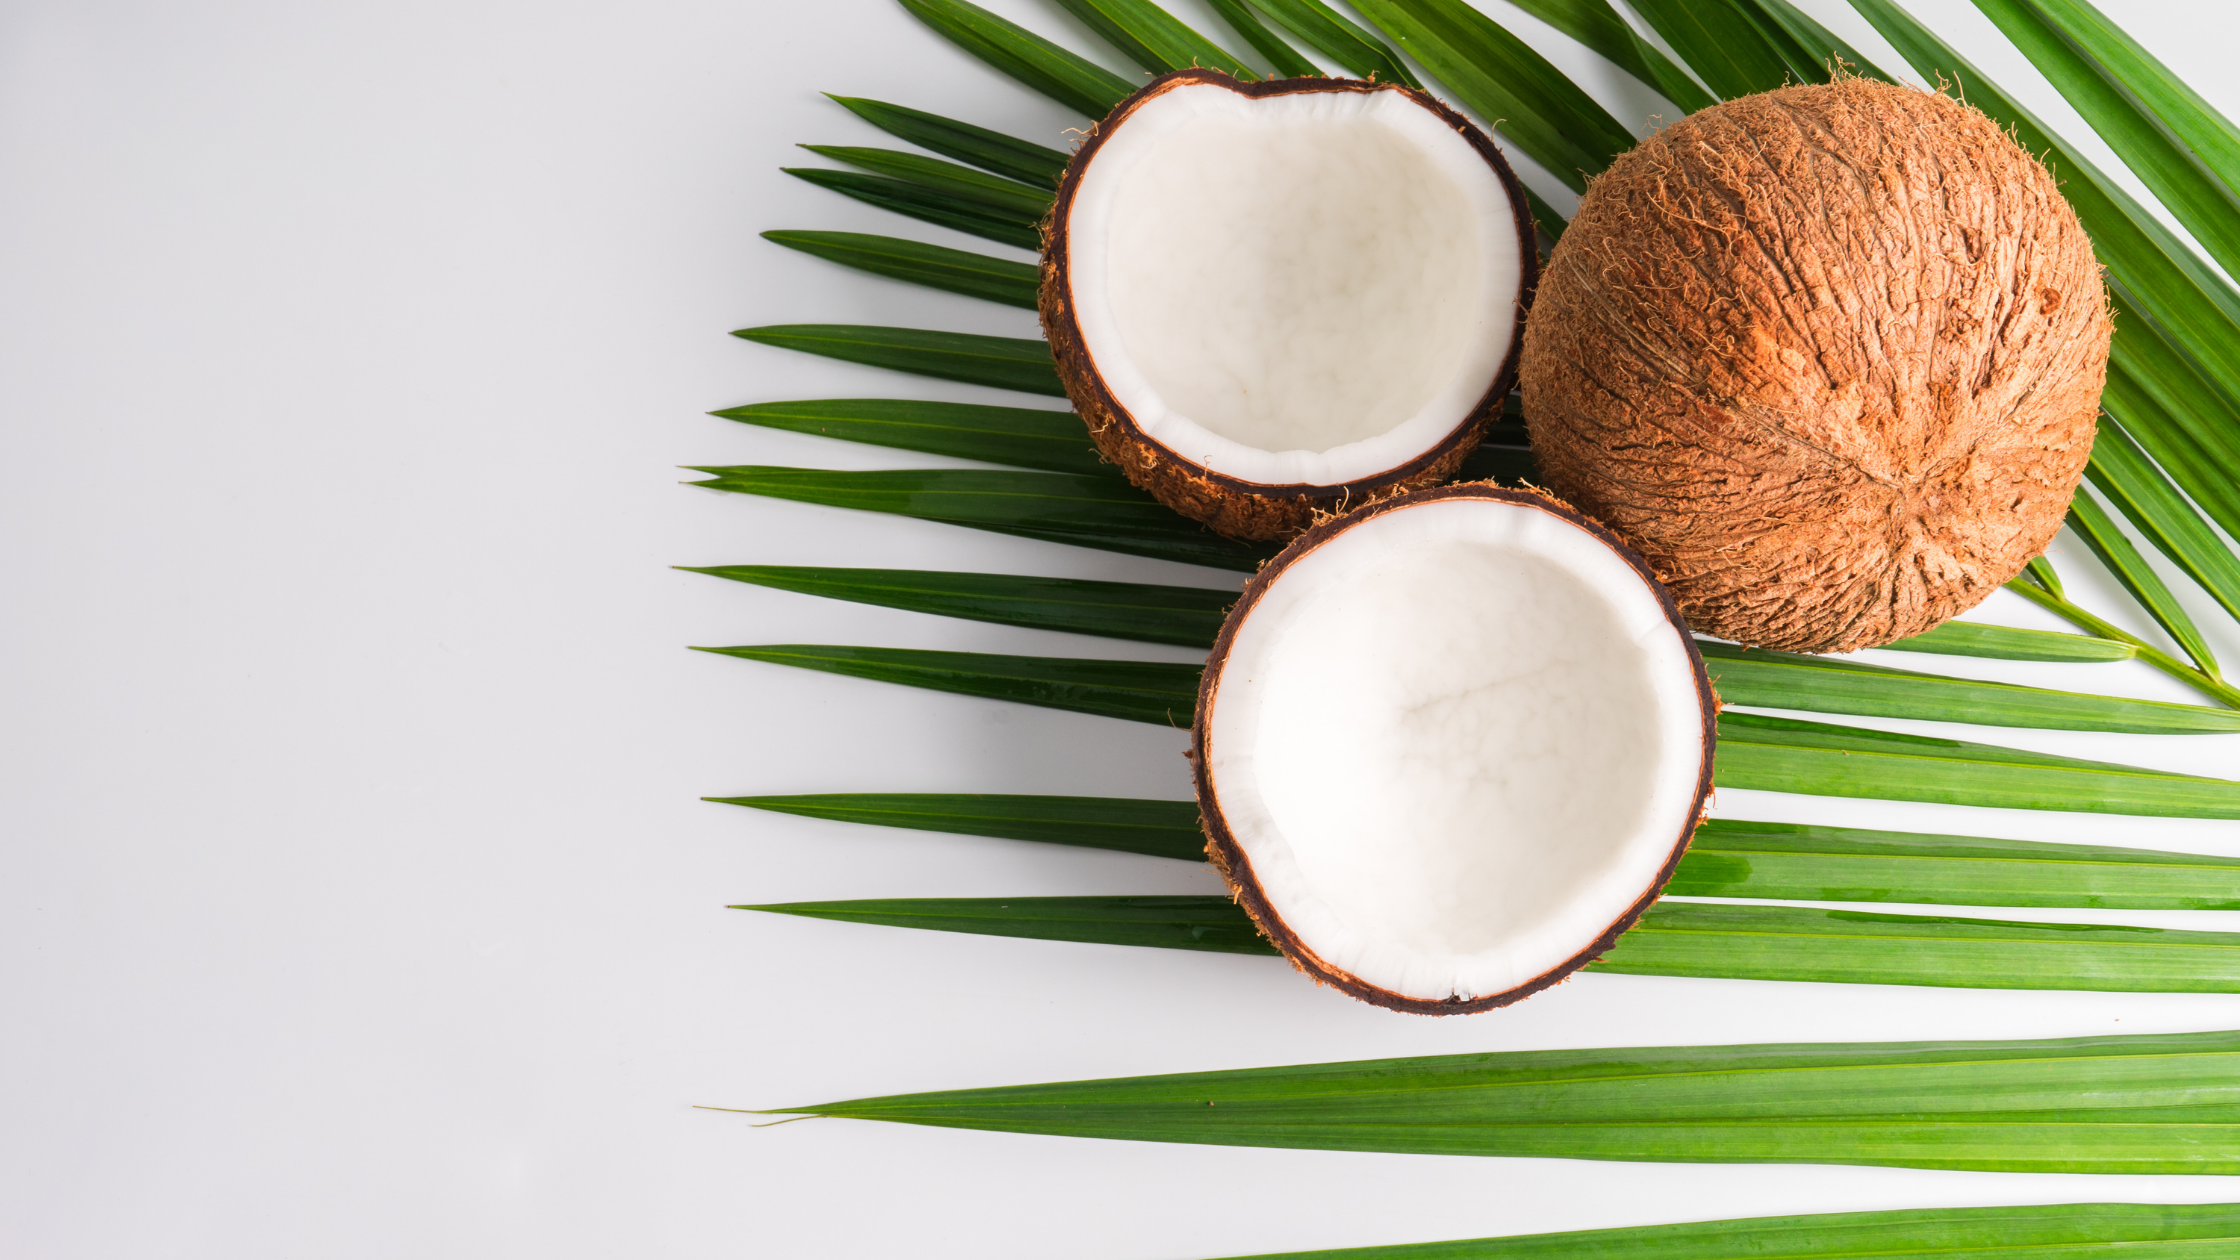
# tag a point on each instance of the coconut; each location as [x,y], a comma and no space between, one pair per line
[1449,746]
[1828,356]
[1269,300]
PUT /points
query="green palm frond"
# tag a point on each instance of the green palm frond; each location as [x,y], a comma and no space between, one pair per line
[2109,1104]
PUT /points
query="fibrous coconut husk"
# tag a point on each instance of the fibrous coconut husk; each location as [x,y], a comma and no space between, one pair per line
[1829,356]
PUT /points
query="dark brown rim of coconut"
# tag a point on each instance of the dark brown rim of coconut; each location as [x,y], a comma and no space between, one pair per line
[1230,505]
[1223,850]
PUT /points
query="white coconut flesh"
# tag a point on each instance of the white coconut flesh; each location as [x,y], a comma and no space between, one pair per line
[1310,288]
[1456,743]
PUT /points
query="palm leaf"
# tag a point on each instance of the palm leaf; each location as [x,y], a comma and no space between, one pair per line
[1727,857]
[1976,638]
[1720,41]
[936,267]
[1167,829]
[1806,40]
[2113,548]
[1003,196]
[2121,471]
[1183,615]
[1026,437]
[1083,511]
[1153,38]
[1338,39]
[1699,940]
[2207,135]
[2067,53]
[1140,691]
[1283,57]
[1819,684]
[929,205]
[1794,861]
[1050,440]
[989,150]
[1060,75]
[2065,1231]
[1755,751]
[2159,398]
[2091,623]
[1191,617]
[1785,755]
[1598,26]
[1019,363]
[1500,77]
[2106,1104]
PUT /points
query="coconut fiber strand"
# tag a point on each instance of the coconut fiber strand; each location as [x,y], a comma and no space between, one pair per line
[2060,1231]
[2152,1104]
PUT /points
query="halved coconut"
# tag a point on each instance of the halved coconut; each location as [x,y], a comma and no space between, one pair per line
[1274,299]
[1450,746]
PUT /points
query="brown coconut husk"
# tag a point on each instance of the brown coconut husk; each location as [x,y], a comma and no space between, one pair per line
[1829,356]
[1229,858]
[1228,505]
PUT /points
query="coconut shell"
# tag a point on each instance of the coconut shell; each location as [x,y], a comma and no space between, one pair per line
[1828,356]
[1229,858]
[1228,505]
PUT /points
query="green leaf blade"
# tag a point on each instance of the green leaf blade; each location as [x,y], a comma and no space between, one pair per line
[1105,513]
[1062,76]
[1213,924]
[925,204]
[1679,939]
[1016,363]
[1321,29]
[2066,53]
[1007,197]
[2114,549]
[1723,44]
[1181,615]
[993,151]
[1138,691]
[1154,38]
[1597,25]
[1052,441]
[2122,472]
[914,262]
[1784,755]
[1167,829]
[1799,862]
[1797,943]
[1727,857]
[1786,680]
[2151,1104]
[1500,77]
[1282,57]
[2068,1231]
[1976,638]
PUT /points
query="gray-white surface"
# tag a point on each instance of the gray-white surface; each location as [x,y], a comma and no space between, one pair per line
[356,899]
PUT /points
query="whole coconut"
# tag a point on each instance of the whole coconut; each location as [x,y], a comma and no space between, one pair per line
[1828,356]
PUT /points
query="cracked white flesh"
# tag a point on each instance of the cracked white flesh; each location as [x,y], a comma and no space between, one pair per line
[1456,743]
[1301,289]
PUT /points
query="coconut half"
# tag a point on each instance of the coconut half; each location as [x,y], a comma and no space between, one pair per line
[1269,300]
[1450,746]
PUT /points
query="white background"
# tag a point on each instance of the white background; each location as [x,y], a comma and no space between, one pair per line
[357,900]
